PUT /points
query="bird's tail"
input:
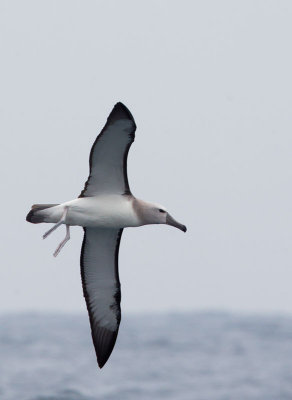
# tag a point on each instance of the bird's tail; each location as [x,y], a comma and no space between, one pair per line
[36,217]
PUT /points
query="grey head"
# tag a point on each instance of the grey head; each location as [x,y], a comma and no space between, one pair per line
[151,213]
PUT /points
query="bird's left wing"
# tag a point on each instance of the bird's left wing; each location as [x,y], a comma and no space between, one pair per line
[108,156]
[101,287]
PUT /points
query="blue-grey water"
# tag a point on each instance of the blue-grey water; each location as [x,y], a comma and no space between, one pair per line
[195,356]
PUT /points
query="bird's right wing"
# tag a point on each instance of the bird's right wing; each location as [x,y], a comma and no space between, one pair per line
[109,153]
[101,287]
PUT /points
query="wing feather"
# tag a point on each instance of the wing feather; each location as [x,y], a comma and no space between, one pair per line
[109,153]
[101,287]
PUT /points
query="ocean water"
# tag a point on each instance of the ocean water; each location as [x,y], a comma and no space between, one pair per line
[194,356]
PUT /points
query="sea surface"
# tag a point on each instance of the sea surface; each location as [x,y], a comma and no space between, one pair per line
[194,356]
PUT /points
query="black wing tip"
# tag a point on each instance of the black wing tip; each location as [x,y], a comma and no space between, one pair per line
[101,362]
[121,106]
[120,111]
[104,344]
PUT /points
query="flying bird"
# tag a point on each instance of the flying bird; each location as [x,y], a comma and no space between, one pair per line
[104,208]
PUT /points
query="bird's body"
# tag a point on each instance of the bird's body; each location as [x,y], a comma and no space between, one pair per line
[103,211]
[104,208]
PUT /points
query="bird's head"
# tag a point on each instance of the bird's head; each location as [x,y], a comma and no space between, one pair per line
[151,213]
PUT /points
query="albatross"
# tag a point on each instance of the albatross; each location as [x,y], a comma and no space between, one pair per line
[104,208]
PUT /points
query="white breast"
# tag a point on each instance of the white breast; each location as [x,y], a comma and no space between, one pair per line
[108,211]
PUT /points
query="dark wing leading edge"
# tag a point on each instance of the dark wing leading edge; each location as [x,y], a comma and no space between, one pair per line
[109,153]
[101,287]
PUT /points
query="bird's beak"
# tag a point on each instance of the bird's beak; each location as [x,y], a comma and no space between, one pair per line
[171,221]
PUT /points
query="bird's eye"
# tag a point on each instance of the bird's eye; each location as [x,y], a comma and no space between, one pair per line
[160,210]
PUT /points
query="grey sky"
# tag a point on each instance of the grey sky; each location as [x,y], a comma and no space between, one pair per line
[209,84]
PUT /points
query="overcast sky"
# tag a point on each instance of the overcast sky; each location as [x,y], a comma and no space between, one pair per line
[209,85]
